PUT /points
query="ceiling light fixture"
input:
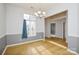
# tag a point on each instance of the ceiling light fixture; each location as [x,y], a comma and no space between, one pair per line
[40,13]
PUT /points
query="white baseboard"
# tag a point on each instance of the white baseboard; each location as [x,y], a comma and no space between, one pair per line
[54,36]
[72,51]
[23,43]
[20,44]
[4,50]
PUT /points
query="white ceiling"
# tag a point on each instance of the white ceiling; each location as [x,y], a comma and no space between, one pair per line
[35,6]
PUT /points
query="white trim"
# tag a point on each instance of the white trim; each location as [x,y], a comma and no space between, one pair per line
[56,36]
[58,17]
[4,50]
[2,35]
[72,51]
[23,42]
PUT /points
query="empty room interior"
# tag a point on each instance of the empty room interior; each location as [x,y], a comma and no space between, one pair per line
[39,29]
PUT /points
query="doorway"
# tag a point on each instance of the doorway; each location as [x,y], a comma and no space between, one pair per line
[55,28]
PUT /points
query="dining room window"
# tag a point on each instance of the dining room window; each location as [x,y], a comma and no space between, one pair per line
[30,25]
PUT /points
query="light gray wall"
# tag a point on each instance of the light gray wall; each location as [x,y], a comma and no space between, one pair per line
[59,27]
[17,38]
[11,22]
[15,15]
[2,20]
[3,43]
[72,16]
[14,25]
[15,18]
[78,31]
[2,27]
[72,22]
[77,44]
[73,46]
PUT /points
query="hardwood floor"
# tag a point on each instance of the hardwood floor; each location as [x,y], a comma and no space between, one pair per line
[47,47]
[58,40]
